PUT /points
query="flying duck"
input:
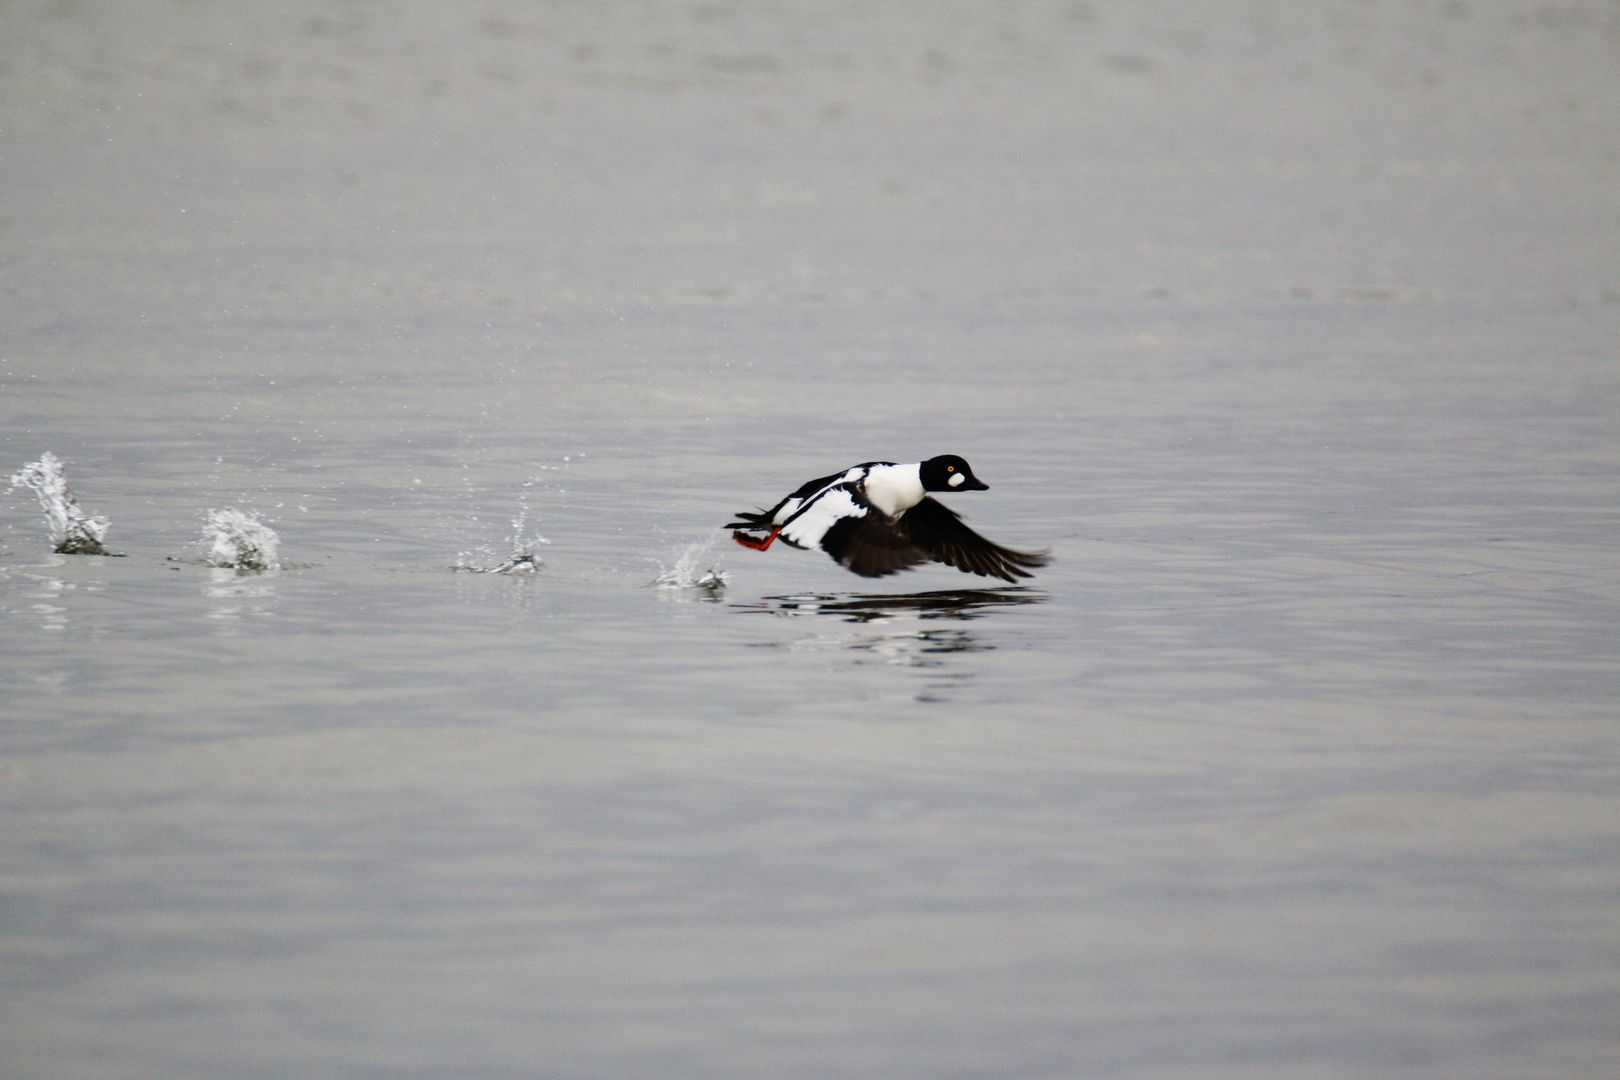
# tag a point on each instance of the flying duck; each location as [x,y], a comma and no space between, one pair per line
[877,519]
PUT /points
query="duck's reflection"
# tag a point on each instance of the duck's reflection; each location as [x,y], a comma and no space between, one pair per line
[939,604]
[895,629]
[916,648]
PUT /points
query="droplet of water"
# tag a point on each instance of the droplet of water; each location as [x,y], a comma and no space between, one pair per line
[240,541]
[685,573]
[72,531]
[521,560]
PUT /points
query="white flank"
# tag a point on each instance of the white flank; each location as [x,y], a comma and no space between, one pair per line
[792,506]
[809,527]
[894,489]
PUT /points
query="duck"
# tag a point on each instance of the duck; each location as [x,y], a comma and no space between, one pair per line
[877,519]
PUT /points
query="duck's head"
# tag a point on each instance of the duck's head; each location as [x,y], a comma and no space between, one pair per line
[949,473]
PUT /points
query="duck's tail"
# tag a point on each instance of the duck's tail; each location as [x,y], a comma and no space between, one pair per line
[761,520]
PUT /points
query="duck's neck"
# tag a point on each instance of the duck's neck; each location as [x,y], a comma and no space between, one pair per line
[894,489]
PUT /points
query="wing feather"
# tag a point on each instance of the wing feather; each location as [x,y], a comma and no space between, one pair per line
[870,546]
[938,531]
[775,515]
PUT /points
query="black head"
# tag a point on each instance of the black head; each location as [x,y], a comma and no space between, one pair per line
[949,473]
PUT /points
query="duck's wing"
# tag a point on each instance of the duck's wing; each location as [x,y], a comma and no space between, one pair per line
[810,487]
[870,546]
[779,513]
[936,530]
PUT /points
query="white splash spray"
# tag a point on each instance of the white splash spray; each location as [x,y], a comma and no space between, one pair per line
[72,532]
[521,560]
[685,574]
[240,541]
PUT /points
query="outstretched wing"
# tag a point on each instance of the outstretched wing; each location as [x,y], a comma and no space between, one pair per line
[937,531]
[870,546]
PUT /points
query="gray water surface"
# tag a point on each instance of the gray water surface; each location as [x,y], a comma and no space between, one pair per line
[1293,335]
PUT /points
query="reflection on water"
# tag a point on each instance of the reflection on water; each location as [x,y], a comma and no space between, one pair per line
[45,598]
[937,604]
[512,585]
[899,640]
[240,594]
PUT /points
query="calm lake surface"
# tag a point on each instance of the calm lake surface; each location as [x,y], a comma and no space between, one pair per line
[1294,334]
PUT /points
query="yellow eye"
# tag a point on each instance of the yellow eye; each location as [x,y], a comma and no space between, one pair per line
[950,468]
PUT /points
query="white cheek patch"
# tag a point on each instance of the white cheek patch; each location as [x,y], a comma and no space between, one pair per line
[956,480]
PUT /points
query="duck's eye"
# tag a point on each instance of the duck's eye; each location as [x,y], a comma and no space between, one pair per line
[950,468]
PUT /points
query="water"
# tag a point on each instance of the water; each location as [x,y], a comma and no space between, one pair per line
[71,531]
[240,541]
[696,567]
[1291,333]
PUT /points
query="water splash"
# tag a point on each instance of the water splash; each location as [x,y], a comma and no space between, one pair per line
[521,560]
[685,574]
[240,541]
[72,533]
